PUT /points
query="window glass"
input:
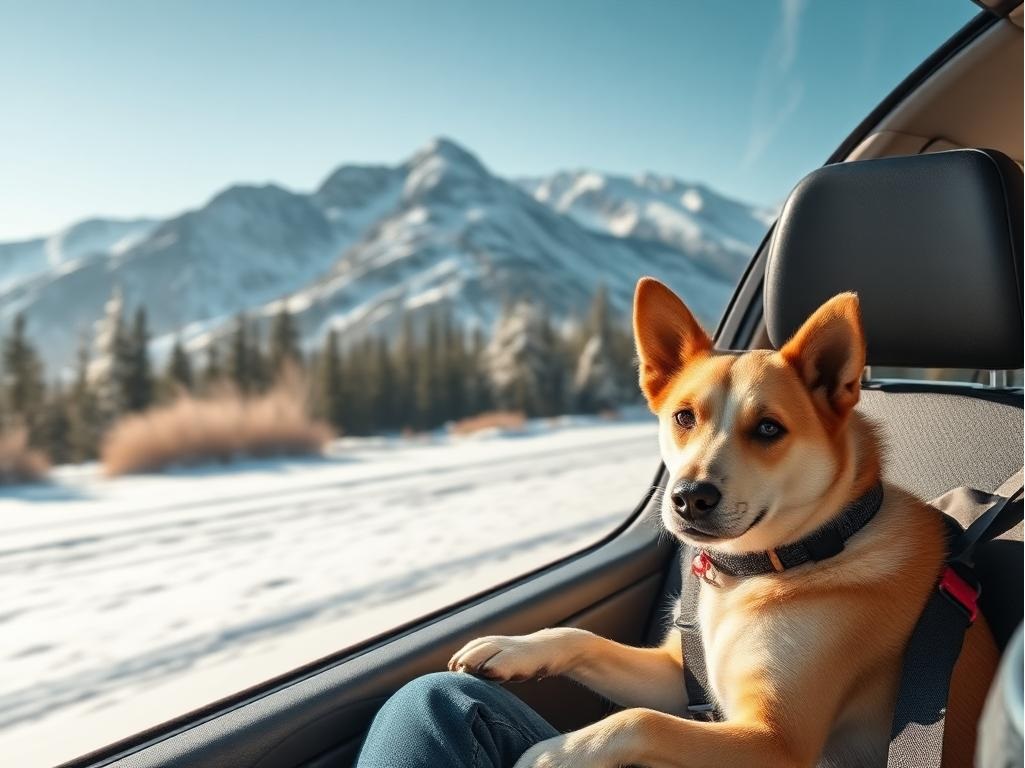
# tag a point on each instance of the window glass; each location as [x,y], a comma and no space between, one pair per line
[315,318]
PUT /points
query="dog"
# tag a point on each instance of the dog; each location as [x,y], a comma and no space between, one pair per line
[803,663]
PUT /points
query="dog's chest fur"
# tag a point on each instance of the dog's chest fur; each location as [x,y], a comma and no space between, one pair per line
[776,637]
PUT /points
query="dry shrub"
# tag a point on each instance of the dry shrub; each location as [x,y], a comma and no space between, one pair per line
[19,463]
[512,421]
[221,427]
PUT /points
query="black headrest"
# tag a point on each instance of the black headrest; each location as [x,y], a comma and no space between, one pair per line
[932,244]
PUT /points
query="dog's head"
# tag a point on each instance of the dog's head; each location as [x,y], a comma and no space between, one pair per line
[752,441]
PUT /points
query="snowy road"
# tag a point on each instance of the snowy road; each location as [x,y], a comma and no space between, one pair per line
[124,603]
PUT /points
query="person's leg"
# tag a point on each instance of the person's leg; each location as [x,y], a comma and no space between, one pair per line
[452,719]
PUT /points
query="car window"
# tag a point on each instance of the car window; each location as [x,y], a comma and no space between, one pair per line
[315,319]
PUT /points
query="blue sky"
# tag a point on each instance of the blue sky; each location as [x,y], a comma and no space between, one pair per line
[127,108]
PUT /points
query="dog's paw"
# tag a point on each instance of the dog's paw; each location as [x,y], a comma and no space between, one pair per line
[571,750]
[506,659]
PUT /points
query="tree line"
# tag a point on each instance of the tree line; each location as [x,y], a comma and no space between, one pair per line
[432,371]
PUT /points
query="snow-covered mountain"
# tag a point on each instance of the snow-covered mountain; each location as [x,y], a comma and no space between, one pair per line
[718,232]
[25,259]
[375,242]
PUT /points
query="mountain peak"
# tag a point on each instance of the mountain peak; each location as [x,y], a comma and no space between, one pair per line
[443,171]
[448,150]
[250,194]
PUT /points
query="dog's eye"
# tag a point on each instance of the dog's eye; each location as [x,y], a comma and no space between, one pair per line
[768,429]
[685,418]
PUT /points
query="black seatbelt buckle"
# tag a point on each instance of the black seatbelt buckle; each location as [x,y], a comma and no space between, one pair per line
[962,591]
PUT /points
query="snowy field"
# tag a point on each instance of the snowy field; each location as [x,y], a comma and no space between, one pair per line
[126,602]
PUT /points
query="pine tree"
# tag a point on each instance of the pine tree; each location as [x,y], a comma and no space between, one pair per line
[604,358]
[138,381]
[330,388]
[83,413]
[260,374]
[427,382]
[551,374]
[213,372]
[356,387]
[523,362]
[406,357]
[478,391]
[55,426]
[454,373]
[239,368]
[113,359]
[382,386]
[596,379]
[23,387]
[284,342]
[179,368]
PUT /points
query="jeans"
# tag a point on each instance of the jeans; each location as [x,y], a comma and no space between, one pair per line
[451,719]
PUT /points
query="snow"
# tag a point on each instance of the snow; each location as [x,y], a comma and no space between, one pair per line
[714,230]
[130,601]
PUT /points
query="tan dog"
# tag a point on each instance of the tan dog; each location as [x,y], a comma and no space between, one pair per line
[804,663]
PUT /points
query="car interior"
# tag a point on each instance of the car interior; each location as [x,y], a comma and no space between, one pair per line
[920,212]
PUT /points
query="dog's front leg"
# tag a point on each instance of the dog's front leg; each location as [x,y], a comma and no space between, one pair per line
[631,677]
[657,740]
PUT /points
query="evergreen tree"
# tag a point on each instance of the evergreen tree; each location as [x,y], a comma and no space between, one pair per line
[596,380]
[406,357]
[523,362]
[427,391]
[551,374]
[179,368]
[356,388]
[23,387]
[603,370]
[138,381]
[478,392]
[331,394]
[239,363]
[453,381]
[55,427]
[260,374]
[284,342]
[213,372]
[381,382]
[113,359]
[83,413]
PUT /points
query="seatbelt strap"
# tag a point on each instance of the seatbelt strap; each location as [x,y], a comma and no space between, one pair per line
[917,734]
[986,525]
[695,674]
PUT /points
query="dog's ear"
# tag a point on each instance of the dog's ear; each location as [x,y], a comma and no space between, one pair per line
[828,352]
[667,337]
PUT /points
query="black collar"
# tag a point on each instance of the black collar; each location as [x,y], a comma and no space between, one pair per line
[821,544]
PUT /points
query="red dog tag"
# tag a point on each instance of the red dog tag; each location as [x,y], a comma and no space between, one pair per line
[703,568]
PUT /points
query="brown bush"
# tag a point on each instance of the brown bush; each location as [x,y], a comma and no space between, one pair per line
[508,420]
[221,427]
[20,463]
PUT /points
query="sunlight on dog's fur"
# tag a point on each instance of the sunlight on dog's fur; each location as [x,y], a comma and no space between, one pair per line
[762,448]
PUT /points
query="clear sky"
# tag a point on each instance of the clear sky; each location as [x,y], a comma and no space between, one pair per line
[131,107]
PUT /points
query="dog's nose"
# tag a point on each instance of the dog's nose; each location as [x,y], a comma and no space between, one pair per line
[693,499]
